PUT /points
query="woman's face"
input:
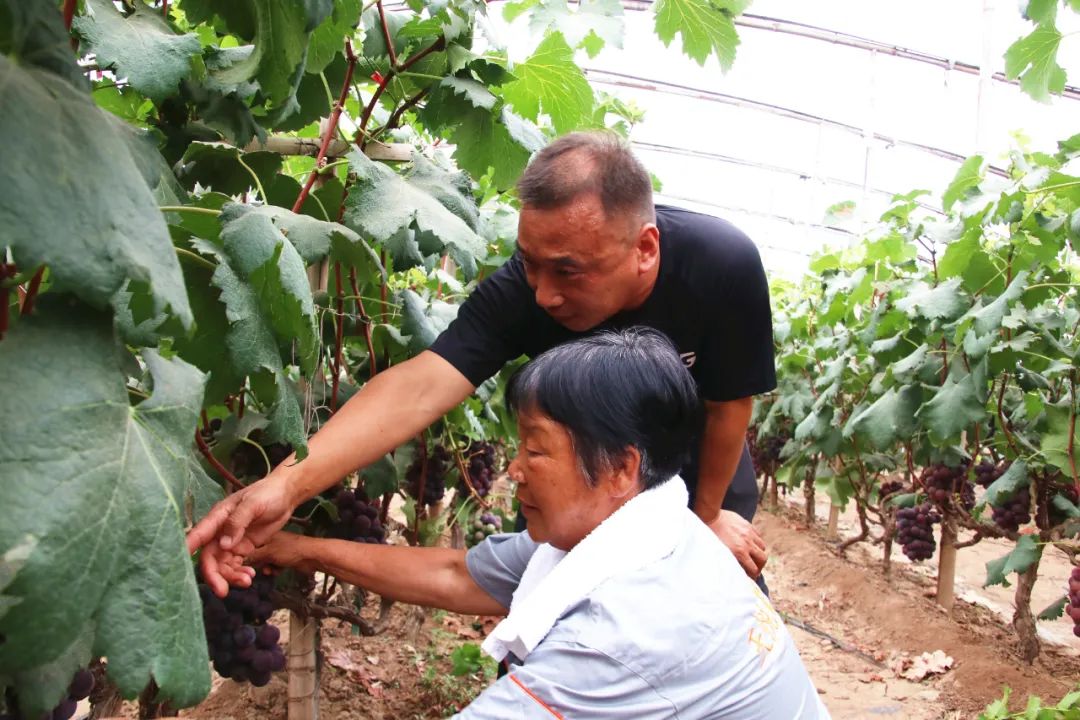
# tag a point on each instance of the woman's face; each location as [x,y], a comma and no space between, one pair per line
[551,489]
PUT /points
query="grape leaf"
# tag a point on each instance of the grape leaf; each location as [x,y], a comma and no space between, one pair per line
[1013,479]
[33,34]
[1055,440]
[943,302]
[453,190]
[315,239]
[281,43]
[955,406]
[705,30]
[262,256]
[424,321]
[93,241]
[966,180]
[890,417]
[1018,560]
[140,47]
[11,562]
[476,93]
[551,82]
[1033,59]
[602,19]
[503,142]
[988,317]
[382,203]
[221,167]
[1054,610]
[328,39]
[252,348]
[87,447]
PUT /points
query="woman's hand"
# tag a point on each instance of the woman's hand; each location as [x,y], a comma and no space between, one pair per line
[287,550]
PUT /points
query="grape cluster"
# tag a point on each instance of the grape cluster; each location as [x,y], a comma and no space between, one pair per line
[1015,511]
[987,472]
[243,646]
[79,689]
[438,462]
[1055,516]
[915,531]
[765,451]
[481,468]
[248,461]
[358,520]
[1074,600]
[484,525]
[945,485]
[890,487]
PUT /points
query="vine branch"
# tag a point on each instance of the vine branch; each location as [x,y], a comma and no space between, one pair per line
[216,464]
[35,285]
[331,127]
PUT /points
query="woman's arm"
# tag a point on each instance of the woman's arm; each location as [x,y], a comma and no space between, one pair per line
[434,577]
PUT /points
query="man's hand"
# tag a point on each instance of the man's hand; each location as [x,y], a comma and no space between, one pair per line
[234,526]
[743,539]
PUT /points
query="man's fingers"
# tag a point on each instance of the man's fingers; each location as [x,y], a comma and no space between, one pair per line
[233,529]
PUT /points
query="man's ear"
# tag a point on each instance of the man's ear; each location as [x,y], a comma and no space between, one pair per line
[626,474]
[648,247]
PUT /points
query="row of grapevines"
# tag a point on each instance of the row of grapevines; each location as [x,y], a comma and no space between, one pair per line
[938,354]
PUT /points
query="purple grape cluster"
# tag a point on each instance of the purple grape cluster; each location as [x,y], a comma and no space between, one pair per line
[1066,488]
[946,485]
[915,531]
[78,689]
[358,520]
[482,467]
[1014,512]
[438,462]
[243,645]
[986,472]
[765,451]
[890,487]
[484,525]
[1074,600]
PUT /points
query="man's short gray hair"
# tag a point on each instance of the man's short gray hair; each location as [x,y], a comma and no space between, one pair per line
[595,162]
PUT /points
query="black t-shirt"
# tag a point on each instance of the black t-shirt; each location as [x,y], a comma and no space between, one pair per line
[711,298]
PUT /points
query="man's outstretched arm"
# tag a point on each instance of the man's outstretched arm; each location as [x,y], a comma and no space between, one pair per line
[392,407]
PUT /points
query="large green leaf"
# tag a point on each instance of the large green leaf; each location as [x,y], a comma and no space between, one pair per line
[262,256]
[594,24]
[252,347]
[226,168]
[943,302]
[328,39]
[988,317]
[452,189]
[954,407]
[62,146]
[382,203]
[1033,59]
[33,35]
[126,579]
[502,142]
[424,321]
[281,42]
[1026,552]
[551,82]
[705,30]
[967,179]
[890,418]
[140,47]
[1055,440]
[1015,478]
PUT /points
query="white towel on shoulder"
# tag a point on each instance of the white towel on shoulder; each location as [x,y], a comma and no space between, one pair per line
[644,530]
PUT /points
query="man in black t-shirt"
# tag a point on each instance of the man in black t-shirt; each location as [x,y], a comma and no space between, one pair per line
[593,253]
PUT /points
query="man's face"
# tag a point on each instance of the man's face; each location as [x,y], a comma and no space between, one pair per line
[583,266]
[551,490]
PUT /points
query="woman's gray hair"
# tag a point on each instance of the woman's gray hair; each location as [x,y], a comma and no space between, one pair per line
[612,391]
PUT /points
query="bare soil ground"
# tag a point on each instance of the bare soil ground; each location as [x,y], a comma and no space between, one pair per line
[847,620]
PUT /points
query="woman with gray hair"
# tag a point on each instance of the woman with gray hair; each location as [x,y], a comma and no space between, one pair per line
[619,601]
